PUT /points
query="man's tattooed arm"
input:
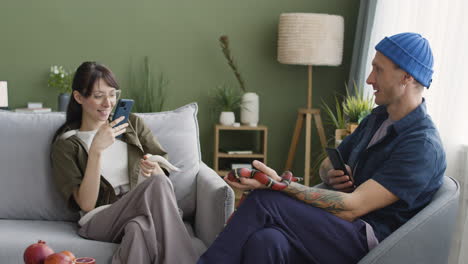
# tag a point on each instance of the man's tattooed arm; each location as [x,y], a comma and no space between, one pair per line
[330,201]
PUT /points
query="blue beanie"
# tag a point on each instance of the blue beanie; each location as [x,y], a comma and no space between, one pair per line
[412,53]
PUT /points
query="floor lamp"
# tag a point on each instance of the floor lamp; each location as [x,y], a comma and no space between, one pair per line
[309,39]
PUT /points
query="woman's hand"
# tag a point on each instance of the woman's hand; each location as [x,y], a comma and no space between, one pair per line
[105,136]
[148,168]
[252,184]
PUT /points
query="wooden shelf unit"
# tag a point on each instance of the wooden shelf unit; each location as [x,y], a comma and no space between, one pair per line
[260,152]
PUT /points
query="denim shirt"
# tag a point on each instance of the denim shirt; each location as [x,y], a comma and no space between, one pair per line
[408,161]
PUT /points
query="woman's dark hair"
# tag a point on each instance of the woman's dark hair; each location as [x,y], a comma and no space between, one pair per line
[87,74]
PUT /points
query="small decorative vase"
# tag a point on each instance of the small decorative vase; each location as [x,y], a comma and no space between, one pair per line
[250,109]
[227,118]
[63,100]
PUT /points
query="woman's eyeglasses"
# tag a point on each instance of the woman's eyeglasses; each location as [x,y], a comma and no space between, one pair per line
[112,96]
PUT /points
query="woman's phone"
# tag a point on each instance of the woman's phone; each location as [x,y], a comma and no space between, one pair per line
[123,108]
[337,161]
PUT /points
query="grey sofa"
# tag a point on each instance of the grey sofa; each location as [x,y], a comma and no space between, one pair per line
[32,209]
[425,238]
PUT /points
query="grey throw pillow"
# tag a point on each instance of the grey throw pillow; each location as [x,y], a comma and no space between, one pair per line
[177,131]
[27,190]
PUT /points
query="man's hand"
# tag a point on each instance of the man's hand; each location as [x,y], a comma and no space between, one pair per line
[336,178]
[340,182]
[252,184]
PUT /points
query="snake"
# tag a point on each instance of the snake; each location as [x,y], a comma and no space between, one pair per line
[286,178]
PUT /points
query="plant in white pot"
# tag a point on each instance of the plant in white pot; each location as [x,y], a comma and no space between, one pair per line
[61,79]
[226,101]
[250,101]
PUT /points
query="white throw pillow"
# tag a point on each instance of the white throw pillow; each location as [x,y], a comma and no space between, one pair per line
[177,131]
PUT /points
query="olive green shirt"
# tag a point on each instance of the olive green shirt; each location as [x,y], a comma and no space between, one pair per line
[69,157]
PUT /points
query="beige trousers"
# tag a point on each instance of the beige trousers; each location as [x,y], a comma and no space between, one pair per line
[146,223]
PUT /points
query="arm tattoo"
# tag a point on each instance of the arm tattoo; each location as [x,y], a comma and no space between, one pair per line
[330,201]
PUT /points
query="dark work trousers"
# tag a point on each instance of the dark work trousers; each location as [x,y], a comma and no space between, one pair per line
[271,227]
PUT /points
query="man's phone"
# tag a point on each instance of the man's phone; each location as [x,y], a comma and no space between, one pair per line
[337,161]
[123,108]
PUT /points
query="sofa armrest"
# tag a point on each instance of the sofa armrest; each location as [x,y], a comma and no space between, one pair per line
[425,238]
[215,204]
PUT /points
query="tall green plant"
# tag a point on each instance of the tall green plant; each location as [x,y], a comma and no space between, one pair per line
[337,117]
[224,43]
[357,104]
[149,93]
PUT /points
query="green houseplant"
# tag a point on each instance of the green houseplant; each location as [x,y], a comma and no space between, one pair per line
[149,92]
[337,118]
[357,105]
[61,79]
[226,101]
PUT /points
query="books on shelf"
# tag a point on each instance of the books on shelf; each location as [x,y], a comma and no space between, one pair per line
[35,105]
[33,110]
[241,165]
[239,152]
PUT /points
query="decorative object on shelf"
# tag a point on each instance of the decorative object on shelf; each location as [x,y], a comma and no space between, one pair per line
[309,39]
[226,100]
[227,118]
[61,79]
[250,109]
[149,93]
[3,95]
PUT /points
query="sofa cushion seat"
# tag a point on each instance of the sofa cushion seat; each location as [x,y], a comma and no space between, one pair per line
[63,236]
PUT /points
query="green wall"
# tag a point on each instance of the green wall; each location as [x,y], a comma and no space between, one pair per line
[181,38]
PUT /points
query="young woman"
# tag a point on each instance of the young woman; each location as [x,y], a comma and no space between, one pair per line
[98,175]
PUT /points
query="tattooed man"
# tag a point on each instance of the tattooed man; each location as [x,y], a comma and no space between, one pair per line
[395,157]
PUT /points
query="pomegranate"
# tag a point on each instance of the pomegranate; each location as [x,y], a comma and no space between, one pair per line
[70,254]
[36,253]
[58,258]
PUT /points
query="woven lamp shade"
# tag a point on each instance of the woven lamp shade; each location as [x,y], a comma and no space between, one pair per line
[310,39]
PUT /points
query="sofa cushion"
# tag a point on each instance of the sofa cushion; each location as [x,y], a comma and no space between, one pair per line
[27,190]
[177,131]
[59,236]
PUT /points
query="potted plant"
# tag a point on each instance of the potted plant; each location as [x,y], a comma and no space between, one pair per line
[250,101]
[356,106]
[61,79]
[337,119]
[149,93]
[226,100]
